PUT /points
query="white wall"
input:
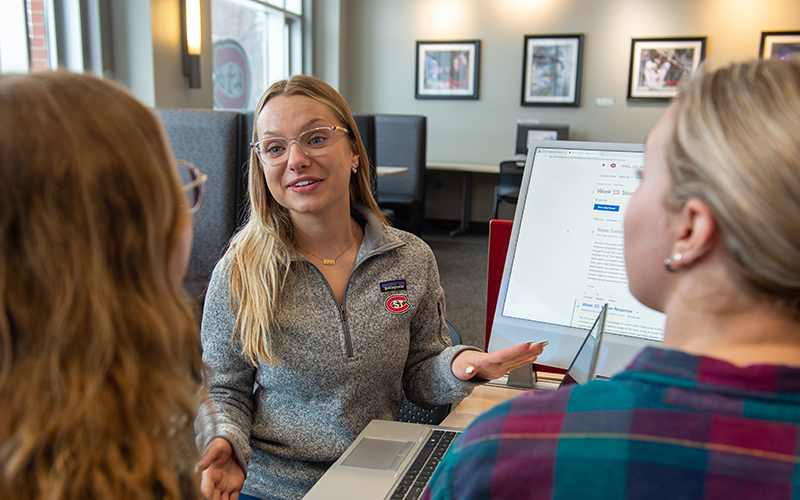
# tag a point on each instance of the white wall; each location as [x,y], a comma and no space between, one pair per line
[147,53]
[171,85]
[133,48]
[327,35]
[378,58]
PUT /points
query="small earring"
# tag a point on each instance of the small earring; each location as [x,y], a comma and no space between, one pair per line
[668,262]
[354,168]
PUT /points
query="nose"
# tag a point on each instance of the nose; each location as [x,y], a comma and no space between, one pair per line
[297,158]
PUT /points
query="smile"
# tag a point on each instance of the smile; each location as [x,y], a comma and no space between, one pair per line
[303,184]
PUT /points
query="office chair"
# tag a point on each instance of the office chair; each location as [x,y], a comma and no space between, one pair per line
[410,412]
[400,141]
[510,180]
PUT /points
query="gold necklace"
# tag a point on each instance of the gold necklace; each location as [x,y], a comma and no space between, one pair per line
[329,262]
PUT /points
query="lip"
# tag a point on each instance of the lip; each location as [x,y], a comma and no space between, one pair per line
[314,184]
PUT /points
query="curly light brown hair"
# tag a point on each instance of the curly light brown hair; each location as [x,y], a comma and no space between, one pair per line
[98,348]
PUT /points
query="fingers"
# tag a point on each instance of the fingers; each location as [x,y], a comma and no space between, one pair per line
[469,364]
[207,487]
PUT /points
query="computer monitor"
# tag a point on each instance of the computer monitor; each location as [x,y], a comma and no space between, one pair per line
[530,132]
[565,256]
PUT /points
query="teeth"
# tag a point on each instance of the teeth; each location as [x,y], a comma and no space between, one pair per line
[303,183]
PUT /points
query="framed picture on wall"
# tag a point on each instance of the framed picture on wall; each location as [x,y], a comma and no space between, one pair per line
[779,44]
[660,65]
[447,70]
[551,70]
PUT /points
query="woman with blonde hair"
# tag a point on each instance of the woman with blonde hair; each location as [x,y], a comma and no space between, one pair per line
[98,350]
[712,239]
[321,307]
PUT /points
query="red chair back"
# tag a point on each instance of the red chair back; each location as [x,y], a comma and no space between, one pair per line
[499,235]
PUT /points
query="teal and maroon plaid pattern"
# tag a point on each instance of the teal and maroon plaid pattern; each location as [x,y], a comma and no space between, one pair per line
[672,426]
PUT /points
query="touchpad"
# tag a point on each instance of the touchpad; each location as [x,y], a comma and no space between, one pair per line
[381,454]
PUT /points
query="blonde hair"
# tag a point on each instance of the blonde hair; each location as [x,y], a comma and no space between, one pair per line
[262,251]
[98,351]
[737,148]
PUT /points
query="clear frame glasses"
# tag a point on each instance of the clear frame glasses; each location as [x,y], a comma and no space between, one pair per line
[274,151]
[193,184]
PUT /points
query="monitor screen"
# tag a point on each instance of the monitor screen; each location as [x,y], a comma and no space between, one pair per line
[565,256]
[531,132]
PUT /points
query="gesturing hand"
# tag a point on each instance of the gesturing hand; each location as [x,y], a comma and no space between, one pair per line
[222,478]
[493,365]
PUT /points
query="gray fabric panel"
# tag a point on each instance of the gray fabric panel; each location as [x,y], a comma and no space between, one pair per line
[401,142]
[366,129]
[213,142]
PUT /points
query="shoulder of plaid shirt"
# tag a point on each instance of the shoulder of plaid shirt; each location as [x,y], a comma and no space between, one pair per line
[672,425]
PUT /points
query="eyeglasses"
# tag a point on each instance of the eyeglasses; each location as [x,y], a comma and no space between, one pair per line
[193,184]
[274,151]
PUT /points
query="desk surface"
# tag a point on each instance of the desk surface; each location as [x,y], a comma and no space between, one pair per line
[492,394]
[391,170]
[463,167]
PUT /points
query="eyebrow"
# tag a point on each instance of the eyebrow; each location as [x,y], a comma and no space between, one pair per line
[306,126]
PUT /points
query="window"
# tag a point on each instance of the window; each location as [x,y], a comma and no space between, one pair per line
[256,43]
[51,34]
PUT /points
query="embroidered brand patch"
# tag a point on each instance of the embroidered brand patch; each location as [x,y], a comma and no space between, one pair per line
[397,304]
[393,286]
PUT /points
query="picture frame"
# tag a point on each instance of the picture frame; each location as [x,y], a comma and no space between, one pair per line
[551,70]
[447,69]
[779,44]
[659,65]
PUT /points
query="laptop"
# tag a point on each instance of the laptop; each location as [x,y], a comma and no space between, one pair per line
[388,460]
[583,368]
[394,460]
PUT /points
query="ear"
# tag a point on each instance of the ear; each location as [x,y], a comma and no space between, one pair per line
[697,233]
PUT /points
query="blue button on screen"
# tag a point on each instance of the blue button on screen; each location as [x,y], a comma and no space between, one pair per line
[606,208]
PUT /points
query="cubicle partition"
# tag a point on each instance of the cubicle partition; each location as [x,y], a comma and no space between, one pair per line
[217,143]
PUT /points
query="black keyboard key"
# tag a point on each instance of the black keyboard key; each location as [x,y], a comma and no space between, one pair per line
[417,476]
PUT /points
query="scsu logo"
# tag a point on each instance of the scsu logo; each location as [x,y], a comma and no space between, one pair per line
[397,304]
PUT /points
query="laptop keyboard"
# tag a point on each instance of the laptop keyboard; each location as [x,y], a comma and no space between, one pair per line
[421,470]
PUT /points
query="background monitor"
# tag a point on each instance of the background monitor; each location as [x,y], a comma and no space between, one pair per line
[530,132]
[565,256]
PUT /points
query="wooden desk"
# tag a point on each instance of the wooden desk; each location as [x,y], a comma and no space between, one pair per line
[487,396]
[466,169]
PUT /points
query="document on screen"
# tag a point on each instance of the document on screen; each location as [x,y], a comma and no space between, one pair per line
[569,257]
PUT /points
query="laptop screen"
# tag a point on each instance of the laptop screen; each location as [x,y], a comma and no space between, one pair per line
[565,257]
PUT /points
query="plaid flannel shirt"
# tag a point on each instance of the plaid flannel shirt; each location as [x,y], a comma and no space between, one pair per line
[672,426]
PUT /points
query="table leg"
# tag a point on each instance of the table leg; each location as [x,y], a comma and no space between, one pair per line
[466,205]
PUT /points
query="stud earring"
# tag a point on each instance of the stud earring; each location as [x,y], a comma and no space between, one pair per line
[668,262]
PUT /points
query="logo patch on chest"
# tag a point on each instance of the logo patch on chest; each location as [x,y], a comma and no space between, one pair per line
[397,304]
[393,286]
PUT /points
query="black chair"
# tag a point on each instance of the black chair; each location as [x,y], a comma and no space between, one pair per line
[510,181]
[366,129]
[413,413]
[400,141]
[216,142]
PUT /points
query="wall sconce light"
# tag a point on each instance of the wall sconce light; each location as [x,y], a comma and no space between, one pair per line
[191,41]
